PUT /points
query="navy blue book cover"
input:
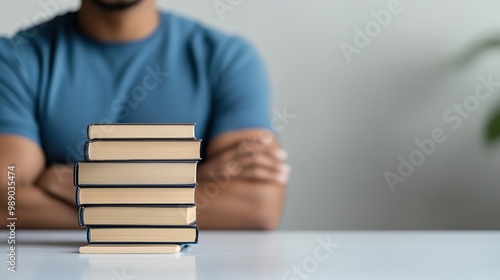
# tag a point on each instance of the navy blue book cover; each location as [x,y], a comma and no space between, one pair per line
[81,211]
[193,227]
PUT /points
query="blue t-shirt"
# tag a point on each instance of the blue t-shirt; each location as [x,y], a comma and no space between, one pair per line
[54,81]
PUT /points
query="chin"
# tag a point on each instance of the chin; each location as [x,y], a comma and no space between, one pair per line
[115,5]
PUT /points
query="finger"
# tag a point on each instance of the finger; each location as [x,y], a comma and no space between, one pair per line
[253,148]
[218,162]
[257,151]
[261,159]
[259,173]
[247,154]
[260,146]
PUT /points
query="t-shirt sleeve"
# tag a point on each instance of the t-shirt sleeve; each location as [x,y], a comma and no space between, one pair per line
[17,101]
[241,90]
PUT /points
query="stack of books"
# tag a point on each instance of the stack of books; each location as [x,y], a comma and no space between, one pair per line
[136,188]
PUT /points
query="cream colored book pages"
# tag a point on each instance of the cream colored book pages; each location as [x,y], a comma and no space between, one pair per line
[144,150]
[130,249]
[139,215]
[125,173]
[143,235]
[131,131]
[136,195]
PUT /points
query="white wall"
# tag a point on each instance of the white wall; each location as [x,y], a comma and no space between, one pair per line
[354,119]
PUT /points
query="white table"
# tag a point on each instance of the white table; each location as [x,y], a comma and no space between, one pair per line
[52,255]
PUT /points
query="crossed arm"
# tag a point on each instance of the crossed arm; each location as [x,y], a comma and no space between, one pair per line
[241,183]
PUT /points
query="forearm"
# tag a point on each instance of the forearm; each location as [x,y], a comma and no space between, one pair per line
[36,209]
[239,204]
[36,202]
[57,181]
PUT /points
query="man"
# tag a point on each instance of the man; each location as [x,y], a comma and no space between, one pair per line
[123,61]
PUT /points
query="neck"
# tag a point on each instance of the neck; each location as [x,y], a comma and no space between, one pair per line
[134,23]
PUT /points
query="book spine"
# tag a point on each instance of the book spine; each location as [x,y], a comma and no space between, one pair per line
[81,222]
[88,131]
[197,234]
[88,236]
[86,151]
[77,196]
[75,174]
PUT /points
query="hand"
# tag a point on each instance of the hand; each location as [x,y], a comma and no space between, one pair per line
[57,180]
[242,181]
[256,159]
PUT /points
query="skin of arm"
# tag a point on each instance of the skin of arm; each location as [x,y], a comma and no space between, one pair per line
[241,184]
[35,208]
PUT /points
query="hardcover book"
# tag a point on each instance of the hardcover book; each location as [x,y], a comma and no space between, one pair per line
[134,173]
[147,215]
[135,195]
[141,150]
[131,249]
[140,131]
[142,235]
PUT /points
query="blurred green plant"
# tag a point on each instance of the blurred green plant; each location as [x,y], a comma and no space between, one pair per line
[492,131]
